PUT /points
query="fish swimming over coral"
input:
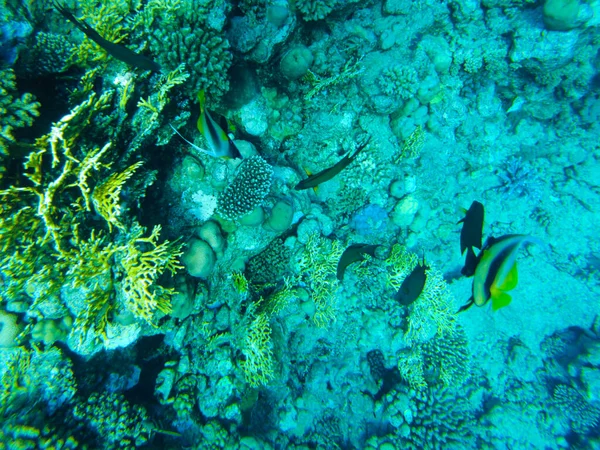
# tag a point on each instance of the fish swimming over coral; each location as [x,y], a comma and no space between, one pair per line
[216,135]
[496,271]
[327,174]
[117,51]
[354,253]
[471,235]
[413,285]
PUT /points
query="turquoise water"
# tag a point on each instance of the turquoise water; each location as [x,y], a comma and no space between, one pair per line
[236,224]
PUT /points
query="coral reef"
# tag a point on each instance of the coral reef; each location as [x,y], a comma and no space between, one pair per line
[184,36]
[247,191]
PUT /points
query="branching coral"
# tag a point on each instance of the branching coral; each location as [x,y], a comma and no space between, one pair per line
[15,112]
[318,265]
[431,313]
[47,242]
[258,362]
[183,36]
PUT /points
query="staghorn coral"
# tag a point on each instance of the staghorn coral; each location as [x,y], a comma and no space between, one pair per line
[36,388]
[48,55]
[247,191]
[519,179]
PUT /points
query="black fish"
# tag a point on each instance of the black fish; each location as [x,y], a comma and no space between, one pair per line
[471,234]
[327,174]
[471,262]
[413,285]
[118,51]
[352,254]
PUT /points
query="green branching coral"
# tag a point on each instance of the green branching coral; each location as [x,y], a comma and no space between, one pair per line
[118,424]
[50,255]
[258,363]
[247,191]
[15,112]
[315,9]
[432,312]
[318,266]
[183,36]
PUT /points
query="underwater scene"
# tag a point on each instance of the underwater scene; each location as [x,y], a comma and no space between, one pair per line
[300,224]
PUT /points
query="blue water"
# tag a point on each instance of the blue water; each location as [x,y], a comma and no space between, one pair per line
[157,290]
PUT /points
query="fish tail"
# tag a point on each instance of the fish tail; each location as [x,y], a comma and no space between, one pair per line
[466,305]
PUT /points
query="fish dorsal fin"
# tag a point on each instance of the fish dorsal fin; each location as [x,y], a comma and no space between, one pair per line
[308,172]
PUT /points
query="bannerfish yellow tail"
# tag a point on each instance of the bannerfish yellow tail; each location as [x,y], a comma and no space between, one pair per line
[496,271]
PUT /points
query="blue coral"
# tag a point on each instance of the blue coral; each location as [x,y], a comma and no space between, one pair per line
[519,179]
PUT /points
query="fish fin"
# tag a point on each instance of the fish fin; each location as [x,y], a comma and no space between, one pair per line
[511,280]
[235,152]
[191,143]
[201,100]
[316,189]
[308,172]
[223,124]
[467,305]
[500,299]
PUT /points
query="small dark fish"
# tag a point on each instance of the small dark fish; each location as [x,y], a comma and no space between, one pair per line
[117,51]
[413,285]
[471,261]
[472,231]
[325,175]
[354,253]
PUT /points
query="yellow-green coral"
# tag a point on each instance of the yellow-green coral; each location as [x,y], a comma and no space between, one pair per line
[106,196]
[258,365]
[411,148]
[15,112]
[318,265]
[142,268]
[432,312]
